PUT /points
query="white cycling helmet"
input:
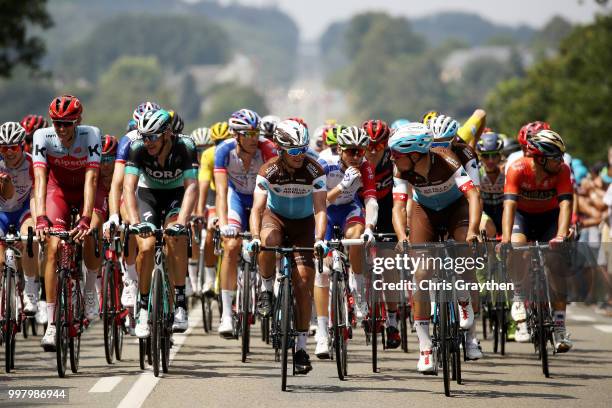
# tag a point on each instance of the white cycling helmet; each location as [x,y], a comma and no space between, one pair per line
[268,124]
[201,137]
[144,107]
[290,133]
[443,127]
[154,121]
[11,133]
[353,136]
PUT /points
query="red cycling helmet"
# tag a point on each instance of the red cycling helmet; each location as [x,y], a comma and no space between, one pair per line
[65,107]
[32,123]
[377,131]
[301,121]
[530,129]
[109,145]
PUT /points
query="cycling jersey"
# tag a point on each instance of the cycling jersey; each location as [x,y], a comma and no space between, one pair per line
[471,128]
[290,195]
[383,175]
[207,166]
[567,159]
[180,164]
[67,165]
[123,147]
[327,154]
[446,182]
[227,161]
[366,186]
[22,178]
[468,158]
[492,192]
[536,196]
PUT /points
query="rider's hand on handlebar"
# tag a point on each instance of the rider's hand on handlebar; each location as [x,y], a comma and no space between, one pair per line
[229,231]
[43,223]
[321,248]
[112,219]
[175,230]
[556,242]
[368,236]
[399,247]
[144,229]
[82,228]
[253,245]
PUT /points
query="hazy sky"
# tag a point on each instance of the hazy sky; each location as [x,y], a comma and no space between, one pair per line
[313,16]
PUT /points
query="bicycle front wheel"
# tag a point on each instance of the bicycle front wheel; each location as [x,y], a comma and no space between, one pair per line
[78,316]
[9,329]
[542,338]
[108,309]
[156,320]
[245,308]
[286,317]
[339,325]
[61,325]
[444,345]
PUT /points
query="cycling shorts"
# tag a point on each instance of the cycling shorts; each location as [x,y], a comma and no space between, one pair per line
[426,223]
[101,204]
[238,208]
[495,213]
[536,226]
[210,198]
[299,232]
[385,216]
[211,217]
[60,201]
[159,206]
[15,218]
[343,215]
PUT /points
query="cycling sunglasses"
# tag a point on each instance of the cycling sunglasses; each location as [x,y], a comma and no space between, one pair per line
[354,152]
[399,155]
[151,137]
[376,147]
[64,123]
[490,155]
[10,148]
[248,133]
[296,151]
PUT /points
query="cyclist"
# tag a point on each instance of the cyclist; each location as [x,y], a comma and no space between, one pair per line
[444,196]
[116,209]
[289,200]
[16,180]
[349,178]
[160,179]
[489,149]
[268,124]
[66,165]
[31,123]
[538,206]
[529,129]
[206,202]
[331,141]
[237,162]
[177,122]
[398,123]
[470,131]
[379,157]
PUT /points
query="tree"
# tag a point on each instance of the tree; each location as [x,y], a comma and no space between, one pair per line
[16,45]
[24,94]
[189,100]
[227,98]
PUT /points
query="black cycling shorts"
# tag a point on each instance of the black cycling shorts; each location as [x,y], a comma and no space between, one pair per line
[157,206]
[536,226]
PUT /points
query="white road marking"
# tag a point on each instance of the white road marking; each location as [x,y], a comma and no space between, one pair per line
[106,384]
[582,318]
[606,328]
[146,381]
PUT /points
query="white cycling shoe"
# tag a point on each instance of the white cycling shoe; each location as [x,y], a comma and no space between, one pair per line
[48,340]
[226,327]
[466,315]
[322,349]
[518,312]
[142,329]
[472,348]
[181,321]
[562,341]
[41,313]
[129,293]
[30,304]
[521,335]
[91,305]
[426,362]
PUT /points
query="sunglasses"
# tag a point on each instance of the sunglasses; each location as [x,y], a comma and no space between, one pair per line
[354,152]
[11,148]
[489,156]
[296,151]
[398,155]
[376,147]
[64,123]
[150,137]
[249,133]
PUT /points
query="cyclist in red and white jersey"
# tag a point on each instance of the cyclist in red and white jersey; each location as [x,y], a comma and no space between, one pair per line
[31,123]
[66,165]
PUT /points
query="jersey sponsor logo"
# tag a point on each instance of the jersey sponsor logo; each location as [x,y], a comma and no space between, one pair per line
[164,174]
[38,150]
[539,195]
[312,169]
[94,150]
[68,162]
[319,185]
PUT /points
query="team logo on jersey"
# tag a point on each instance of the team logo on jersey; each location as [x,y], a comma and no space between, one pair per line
[40,150]
[319,185]
[94,150]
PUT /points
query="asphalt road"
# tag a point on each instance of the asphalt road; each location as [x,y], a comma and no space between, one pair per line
[206,371]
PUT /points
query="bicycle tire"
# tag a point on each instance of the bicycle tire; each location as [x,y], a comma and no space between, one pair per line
[444,346]
[245,308]
[459,345]
[119,329]
[542,339]
[374,330]
[496,329]
[156,313]
[75,341]
[285,327]
[403,315]
[503,328]
[485,312]
[166,327]
[142,352]
[337,331]
[108,312]
[34,327]
[8,317]
[61,326]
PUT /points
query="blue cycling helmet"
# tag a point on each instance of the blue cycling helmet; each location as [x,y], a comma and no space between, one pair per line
[132,125]
[244,120]
[413,137]
[398,123]
[490,143]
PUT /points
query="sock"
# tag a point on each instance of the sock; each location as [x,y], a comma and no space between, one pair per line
[267,284]
[31,286]
[358,284]
[43,293]
[193,273]
[98,285]
[518,294]
[210,273]
[130,271]
[322,325]
[90,283]
[51,312]
[144,301]
[227,297]
[392,318]
[302,337]
[422,329]
[559,318]
[179,295]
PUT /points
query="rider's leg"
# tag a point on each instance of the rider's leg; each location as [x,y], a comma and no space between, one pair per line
[92,263]
[229,264]
[30,269]
[177,265]
[130,259]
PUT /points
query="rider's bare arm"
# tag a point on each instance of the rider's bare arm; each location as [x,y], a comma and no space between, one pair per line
[129,193]
[189,200]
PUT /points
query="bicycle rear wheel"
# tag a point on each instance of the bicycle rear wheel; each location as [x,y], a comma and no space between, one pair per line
[156,320]
[542,338]
[245,308]
[61,325]
[285,322]
[108,311]
[444,345]
[404,319]
[374,328]
[78,316]
[9,329]
[339,325]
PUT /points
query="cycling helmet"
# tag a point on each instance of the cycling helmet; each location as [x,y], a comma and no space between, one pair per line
[244,120]
[510,146]
[443,127]
[268,124]
[109,145]
[414,137]
[177,122]
[377,131]
[11,133]
[65,107]
[131,125]
[353,136]
[219,131]
[300,120]
[490,143]
[291,133]
[142,108]
[154,121]
[201,137]
[319,134]
[32,123]
[331,134]
[429,116]
[545,143]
[398,123]
[530,129]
